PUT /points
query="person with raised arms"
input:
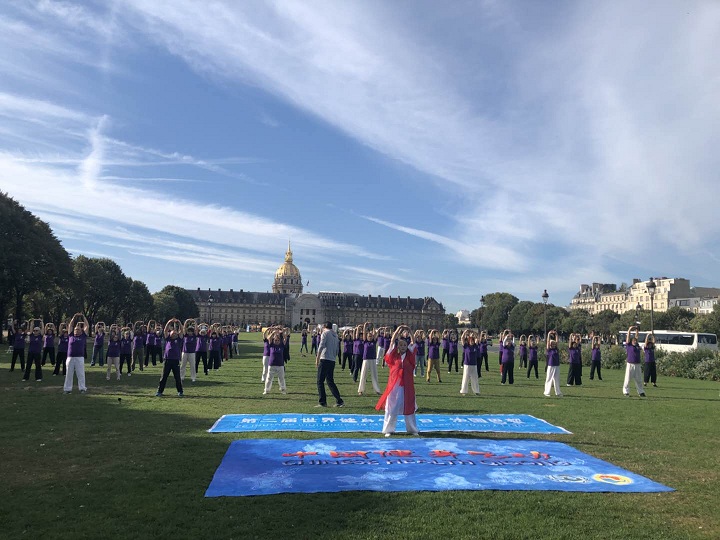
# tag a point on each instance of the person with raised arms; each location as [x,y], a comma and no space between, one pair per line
[399,395]
[49,344]
[483,351]
[419,340]
[445,344]
[62,349]
[508,358]
[113,352]
[532,357]
[126,344]
[303,343]
[433,351]
[575,359]
[470,360]
[201,345]
[35,343]
[78,327]
[633,371]
[214,349]
[325,364]
[369,360]
[266,353]
[276,362]
[357,359]
[453,348]
[171,356]
[523,352]
[595,357]
[138,345]
[552,376]
[16,338]
[98,345]
[650,369]
[347,348]
[188,350]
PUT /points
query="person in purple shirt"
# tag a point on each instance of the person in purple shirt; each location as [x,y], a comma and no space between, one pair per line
[575,360]
[35,343]
[595,358]
[420,363]
[482,353]
[234,340]
[16,338]
[276,362]
[113,352]
[314,343]
[650,368]
[508,359]
[445,344]
[453,351]
[552,376]
[214,350]
[266,354]
[126,345]
[523,352]
[433,353]
[358,344]
[201,350]
[303,342]
[78,327]
[470,360]
[188,350]
[369,358]
[98,345]
[138,345]
[347,349]
[633,370]
[532,357]
[150,342]
[62,349]
[49,344]
[171,356]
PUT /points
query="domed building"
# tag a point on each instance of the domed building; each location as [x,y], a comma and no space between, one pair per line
[287,277]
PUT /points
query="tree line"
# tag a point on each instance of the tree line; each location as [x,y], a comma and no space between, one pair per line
[503,310]
[39,278]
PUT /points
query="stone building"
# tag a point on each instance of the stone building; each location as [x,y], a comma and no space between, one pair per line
[288,305]
[602,296]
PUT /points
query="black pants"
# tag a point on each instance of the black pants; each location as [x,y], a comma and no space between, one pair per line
[479,369]
[650,372]
[508,369]
[33,357]
[325,374]
[303,346]
[201,355]
[532,365]
[148,348]
[215,360]
[483,356]
[151,352]
[593,367]
[313,350]
[452,357]
[60,359]
[345,358]
[48,351]
[523,361]
[126,358]
[445,353]
[18,353]
[357,364]
[575,375]
[174,366]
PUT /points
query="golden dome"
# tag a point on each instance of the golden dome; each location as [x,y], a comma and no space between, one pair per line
[287,276]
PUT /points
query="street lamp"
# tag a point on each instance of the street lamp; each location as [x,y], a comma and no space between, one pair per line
[545,297]
[637,314]
[210,303]
[482,311]
[651,287]
[337,306]
[355,304]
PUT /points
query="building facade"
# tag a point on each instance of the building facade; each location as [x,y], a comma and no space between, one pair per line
[288,305]
[602,296]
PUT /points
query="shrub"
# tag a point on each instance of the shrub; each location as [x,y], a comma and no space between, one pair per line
[697,364]
[613,357]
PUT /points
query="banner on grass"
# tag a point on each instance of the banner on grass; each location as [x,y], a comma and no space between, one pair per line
[271,466]
[345,423]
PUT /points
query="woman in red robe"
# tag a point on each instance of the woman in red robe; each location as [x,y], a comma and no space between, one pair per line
[399,395]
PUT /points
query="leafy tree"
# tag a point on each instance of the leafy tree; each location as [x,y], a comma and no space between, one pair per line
[602,322]
[675,318]
[138,303]
[518,319]
[451,321]
[497,308]
[103,288]
[31,257]
[578,321]
[709,323]
[165,306]
[186,306]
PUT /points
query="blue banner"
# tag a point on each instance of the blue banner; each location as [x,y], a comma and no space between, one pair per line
[271,466]
[348,423]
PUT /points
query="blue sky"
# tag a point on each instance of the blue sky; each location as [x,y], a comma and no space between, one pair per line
[405,148]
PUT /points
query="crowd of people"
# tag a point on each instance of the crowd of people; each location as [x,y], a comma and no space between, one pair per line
[362,350]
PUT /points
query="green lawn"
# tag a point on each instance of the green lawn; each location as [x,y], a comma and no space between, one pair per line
[121,463]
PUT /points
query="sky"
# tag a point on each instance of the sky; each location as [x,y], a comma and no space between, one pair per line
[409,148]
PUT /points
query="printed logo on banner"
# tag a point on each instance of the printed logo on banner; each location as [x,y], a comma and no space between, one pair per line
[614,479]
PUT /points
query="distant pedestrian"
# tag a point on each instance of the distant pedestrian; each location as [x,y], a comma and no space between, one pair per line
[325,364]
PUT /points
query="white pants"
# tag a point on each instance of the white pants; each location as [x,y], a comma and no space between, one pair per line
[552,379]
[420,364]
[113,361]
[634,372]
[265,366]
[187,358]
[369,364]
[394,407]
[272,372]
[470,376]
[380,355]
[74,364]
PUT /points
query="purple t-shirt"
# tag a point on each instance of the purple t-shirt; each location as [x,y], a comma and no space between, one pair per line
[214,344]
[303,341]
[189,343]
[172,349]
[470,354]
[35,345]
[553,357]
[63,343]
[113,349]
[49,341]
[452,346]
[633,354]
[201,343]
[99,339]
[347,346]
[483,347]
[358,346]
[150,339]
[76,345]
[595,355]
[508,354]
[277,355]
[523,351]
[368,350]
[19,341]
[433,350]
[445,343]
[139,341]
[532,353]
[574,355]
[420,348]
[266,347]
[125,345]
[649,355]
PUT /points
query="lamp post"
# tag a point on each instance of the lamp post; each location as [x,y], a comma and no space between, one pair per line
[482,311]
[337,306]
[545,297]
[355,304]
[637,314]
[210,303]
[651,287]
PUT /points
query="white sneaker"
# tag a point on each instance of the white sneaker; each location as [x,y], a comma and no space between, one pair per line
[264,393]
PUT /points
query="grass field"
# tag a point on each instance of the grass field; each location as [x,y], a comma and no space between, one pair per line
[121,463]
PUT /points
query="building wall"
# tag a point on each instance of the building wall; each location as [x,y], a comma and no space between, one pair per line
[666,290]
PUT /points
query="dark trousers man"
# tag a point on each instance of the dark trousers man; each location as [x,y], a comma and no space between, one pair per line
[483,356]
[48,351]
[33,358]
[445,353]
[507,372]
[174,366]
[453,357]
[325,373]
[356,365]
[534,365]
[60,361]
[201,355]
[18,353]
[593,367]
[347,357]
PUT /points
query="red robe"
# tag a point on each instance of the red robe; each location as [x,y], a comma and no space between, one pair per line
[400,373]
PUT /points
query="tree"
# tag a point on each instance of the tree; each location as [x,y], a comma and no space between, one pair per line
[450,321]
[578,321]
[675,318]
[603,321]
[186,306]
[138,303]
[518,318]
[165,306]
[497,308]
[31,257]
[103,287]
[709,323]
